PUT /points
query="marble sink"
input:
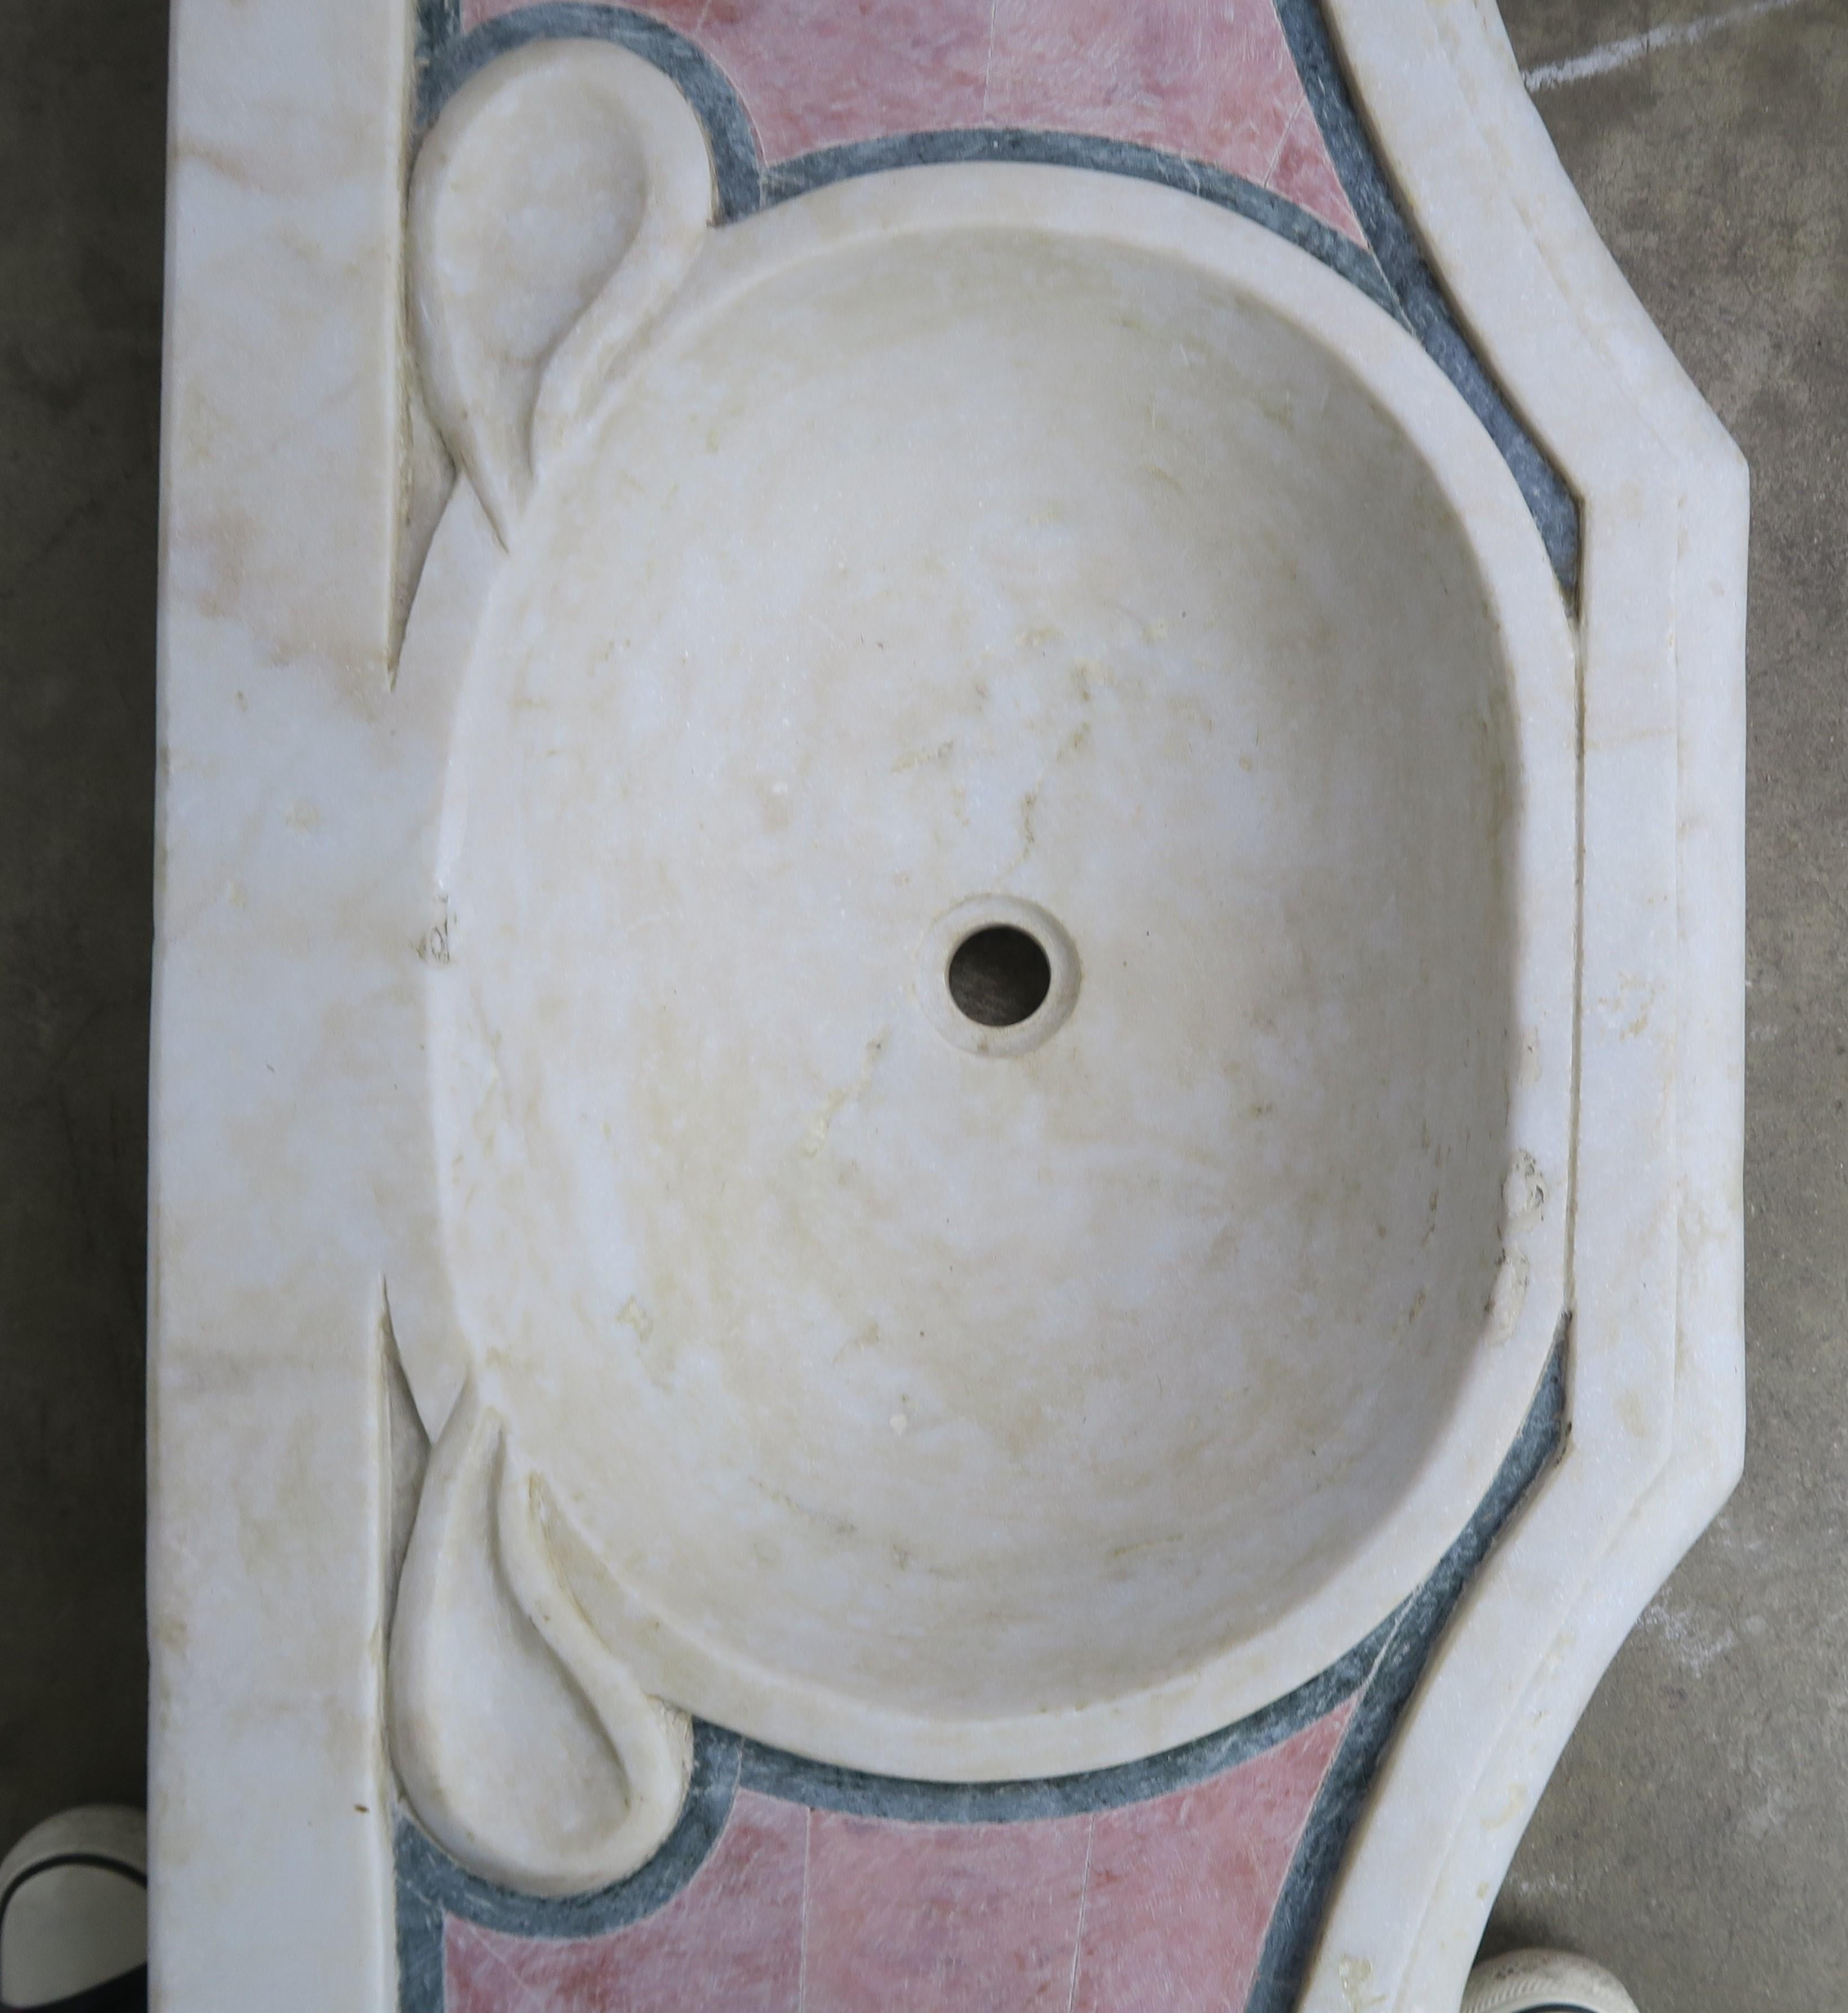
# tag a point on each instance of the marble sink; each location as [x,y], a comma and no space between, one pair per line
[998,582]
[946,1050]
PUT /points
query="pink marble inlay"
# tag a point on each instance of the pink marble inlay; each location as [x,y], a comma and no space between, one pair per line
[1214,81]
[818,72]
[730,1940]
[1209,79]
[1181,1889]
[1158,1904]
[925,1918]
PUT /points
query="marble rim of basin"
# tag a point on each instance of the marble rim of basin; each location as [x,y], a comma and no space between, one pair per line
[1080,245]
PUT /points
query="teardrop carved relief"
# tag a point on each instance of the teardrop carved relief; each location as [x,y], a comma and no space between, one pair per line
[554,205]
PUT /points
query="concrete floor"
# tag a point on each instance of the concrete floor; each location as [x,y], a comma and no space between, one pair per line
[1696,1838]
[83,161]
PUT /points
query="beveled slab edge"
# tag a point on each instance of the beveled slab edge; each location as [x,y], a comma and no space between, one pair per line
[1656,1390]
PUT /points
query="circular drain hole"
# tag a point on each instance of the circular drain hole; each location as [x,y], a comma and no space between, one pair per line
[999,976]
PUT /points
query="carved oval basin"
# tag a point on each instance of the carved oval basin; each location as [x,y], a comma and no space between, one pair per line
[1018,1369]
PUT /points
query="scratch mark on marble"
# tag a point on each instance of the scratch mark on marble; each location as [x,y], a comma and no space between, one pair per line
[802,1943]
[1077,1940]
[988,61]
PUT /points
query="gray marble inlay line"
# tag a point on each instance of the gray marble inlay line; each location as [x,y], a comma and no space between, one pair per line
[1216,185]
[821,1785]
[431,1885]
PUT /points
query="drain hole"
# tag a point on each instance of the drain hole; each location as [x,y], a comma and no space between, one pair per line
[999,976]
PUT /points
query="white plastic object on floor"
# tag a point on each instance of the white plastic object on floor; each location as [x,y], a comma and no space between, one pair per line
[1542,1981]
[73,1905]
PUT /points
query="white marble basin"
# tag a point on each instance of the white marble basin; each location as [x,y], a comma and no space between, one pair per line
[1009,548]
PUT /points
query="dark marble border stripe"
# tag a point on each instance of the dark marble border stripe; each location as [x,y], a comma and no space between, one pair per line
[1421,300]
[1296,1928]
[1215,185]
[823,1787]
[435,24]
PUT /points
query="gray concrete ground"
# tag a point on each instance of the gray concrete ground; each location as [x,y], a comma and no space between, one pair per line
[1695,1837]
[83,160]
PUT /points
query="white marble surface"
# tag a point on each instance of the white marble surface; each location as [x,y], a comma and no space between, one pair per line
[277,1008]
[505,986]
